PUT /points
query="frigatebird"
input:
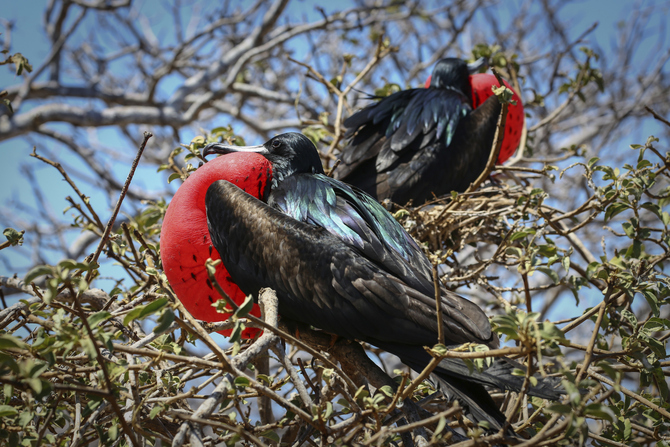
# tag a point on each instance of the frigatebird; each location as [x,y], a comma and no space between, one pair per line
[424,142]
[340,262]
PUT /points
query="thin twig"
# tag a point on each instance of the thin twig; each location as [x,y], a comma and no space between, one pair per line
[438,305]
[117,208]
[657,116]
[71,182]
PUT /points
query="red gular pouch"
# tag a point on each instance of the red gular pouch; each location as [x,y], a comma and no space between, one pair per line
[481,90]
[481,84]
[185,242]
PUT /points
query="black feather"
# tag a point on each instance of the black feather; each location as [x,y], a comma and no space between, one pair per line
[332,285]
[420,142]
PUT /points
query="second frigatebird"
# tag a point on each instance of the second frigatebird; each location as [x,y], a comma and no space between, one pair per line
[340,262]
[422,142]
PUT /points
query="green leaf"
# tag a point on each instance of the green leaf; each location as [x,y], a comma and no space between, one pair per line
[600,411]
[654,208]
[361,393]
[199,140]
[400,214]
[155,410]
[549,272]
[519,235]
[593,161]
[10,342]
[97,317]
[440,426]
[242,382]
[164,321]
[643,164]
[143,311]
[549,331]
[485,425]
[609,371]
[13,236]
[657,347]
[661,381]
[174,176]
[265,378]
[220,129]
[245,307]
[132,315]
[629,229]
[635,250]
[655,325]
[329,410]
[344,404]
[615,209]
[271,435]
[113,432]
[514,251]
[439,349]
[82,285]
[20,62]
[153,307]
[503,93]
[7,411]
[387,390]
[236,333]
[628,429]
[566,263]
[629,316]
[35,384]
[8,390]
[36,272]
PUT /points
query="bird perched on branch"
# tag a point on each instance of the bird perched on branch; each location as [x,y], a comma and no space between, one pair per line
[340,262]
[425,142]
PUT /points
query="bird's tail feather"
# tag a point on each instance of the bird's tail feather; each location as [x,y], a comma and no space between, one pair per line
[499,375]
[477,402]
[456,380]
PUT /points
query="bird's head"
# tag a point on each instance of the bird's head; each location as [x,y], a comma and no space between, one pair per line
[454,72]
[289,153]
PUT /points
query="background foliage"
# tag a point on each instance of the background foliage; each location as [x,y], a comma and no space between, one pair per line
[566,250]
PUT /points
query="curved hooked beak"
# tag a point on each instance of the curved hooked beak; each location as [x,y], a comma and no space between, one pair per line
[219,148]
[474,67]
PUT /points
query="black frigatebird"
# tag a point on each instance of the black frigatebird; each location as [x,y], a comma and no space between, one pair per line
[340,262]
[422,142]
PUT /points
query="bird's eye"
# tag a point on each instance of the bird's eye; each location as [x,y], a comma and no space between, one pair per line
[276,144]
